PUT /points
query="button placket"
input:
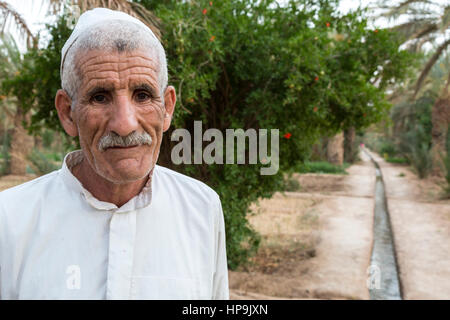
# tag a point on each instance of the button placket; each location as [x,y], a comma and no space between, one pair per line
[121,253]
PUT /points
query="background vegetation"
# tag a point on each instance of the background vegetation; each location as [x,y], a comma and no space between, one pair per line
[302,68]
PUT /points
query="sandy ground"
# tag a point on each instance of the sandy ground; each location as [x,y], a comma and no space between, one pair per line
[13,180]
[333,261]
[421,227]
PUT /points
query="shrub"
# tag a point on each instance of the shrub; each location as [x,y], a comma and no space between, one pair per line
[387,147]
[302,68]
[322,167]
[4,163]
[397,160]
[42,163]
[416,146]
[291,184]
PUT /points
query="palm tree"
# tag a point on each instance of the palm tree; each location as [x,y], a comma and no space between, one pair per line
[427,24]
[132,8]
[12,109]
[11,59]
[10,17]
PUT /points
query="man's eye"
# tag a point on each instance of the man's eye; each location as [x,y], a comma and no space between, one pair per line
[142,96]
[99,98]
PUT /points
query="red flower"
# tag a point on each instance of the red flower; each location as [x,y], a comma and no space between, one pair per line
[204,11]
[316,78]
[287,135]
[376,30]
[212,38]
[315,109]
[210,3]
[327,24]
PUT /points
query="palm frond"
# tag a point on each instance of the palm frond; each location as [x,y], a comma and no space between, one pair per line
[445,19]
[133,9]
[7,12]
[402,8]
[429,65]
[9,51]
[427,29]
[413,27]
[416,45]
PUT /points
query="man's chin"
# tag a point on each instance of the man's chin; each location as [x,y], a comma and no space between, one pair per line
[126,174]
[123,179]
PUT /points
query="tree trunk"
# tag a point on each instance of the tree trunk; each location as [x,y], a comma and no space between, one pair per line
[335,149]
[440,118]
[21,145]
[349,145]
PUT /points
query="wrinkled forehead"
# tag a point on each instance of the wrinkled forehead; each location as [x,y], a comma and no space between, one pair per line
[117,68]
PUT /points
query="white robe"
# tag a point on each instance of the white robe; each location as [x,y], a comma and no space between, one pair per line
[59,242]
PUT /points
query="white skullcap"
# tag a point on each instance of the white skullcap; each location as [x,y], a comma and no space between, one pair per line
[93,17]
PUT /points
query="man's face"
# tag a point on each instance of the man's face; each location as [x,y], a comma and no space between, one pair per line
[119,93]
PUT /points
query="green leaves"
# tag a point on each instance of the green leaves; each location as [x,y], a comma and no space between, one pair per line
[301,68]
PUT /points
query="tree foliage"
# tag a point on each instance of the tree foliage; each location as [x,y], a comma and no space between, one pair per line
[427,22]
[302,68]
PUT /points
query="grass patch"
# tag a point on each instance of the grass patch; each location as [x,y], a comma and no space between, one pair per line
[397,160]
[322,167]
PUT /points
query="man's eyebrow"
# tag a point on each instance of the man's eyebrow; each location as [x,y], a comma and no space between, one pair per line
[99,89]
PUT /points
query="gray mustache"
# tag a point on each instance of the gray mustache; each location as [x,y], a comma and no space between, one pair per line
[113,139]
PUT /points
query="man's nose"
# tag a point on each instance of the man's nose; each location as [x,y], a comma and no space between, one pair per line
[123,119]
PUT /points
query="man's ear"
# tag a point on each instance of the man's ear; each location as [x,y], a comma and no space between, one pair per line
[63,106]
[170,98]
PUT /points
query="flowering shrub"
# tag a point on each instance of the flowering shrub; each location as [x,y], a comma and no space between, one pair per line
[301,68]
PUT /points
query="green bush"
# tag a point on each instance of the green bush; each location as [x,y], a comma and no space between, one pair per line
[322,167]
[42,163]
[397,160]
[412,129]
[4,163]
[416,146]
[302,68]
[387,147]
[54,156]
[291,184]
[382,145]
[447,165]
[47,138]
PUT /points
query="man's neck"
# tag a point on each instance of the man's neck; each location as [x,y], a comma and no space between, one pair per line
[105,190]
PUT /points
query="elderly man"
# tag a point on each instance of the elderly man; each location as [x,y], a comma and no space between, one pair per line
[111,224]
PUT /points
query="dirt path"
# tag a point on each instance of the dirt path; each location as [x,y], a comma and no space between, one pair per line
[421,227]
[341,238]
[13,180]
[342,243]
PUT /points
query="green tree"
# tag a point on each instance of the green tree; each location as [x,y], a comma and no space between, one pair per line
[427,23]
[11,62]
[301,68]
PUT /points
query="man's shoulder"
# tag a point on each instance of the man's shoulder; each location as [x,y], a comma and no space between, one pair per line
[26,190]
[186,183]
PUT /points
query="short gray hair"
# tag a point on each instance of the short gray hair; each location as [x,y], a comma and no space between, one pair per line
[114,35]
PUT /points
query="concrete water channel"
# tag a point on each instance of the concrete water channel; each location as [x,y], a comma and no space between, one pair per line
[383,281]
